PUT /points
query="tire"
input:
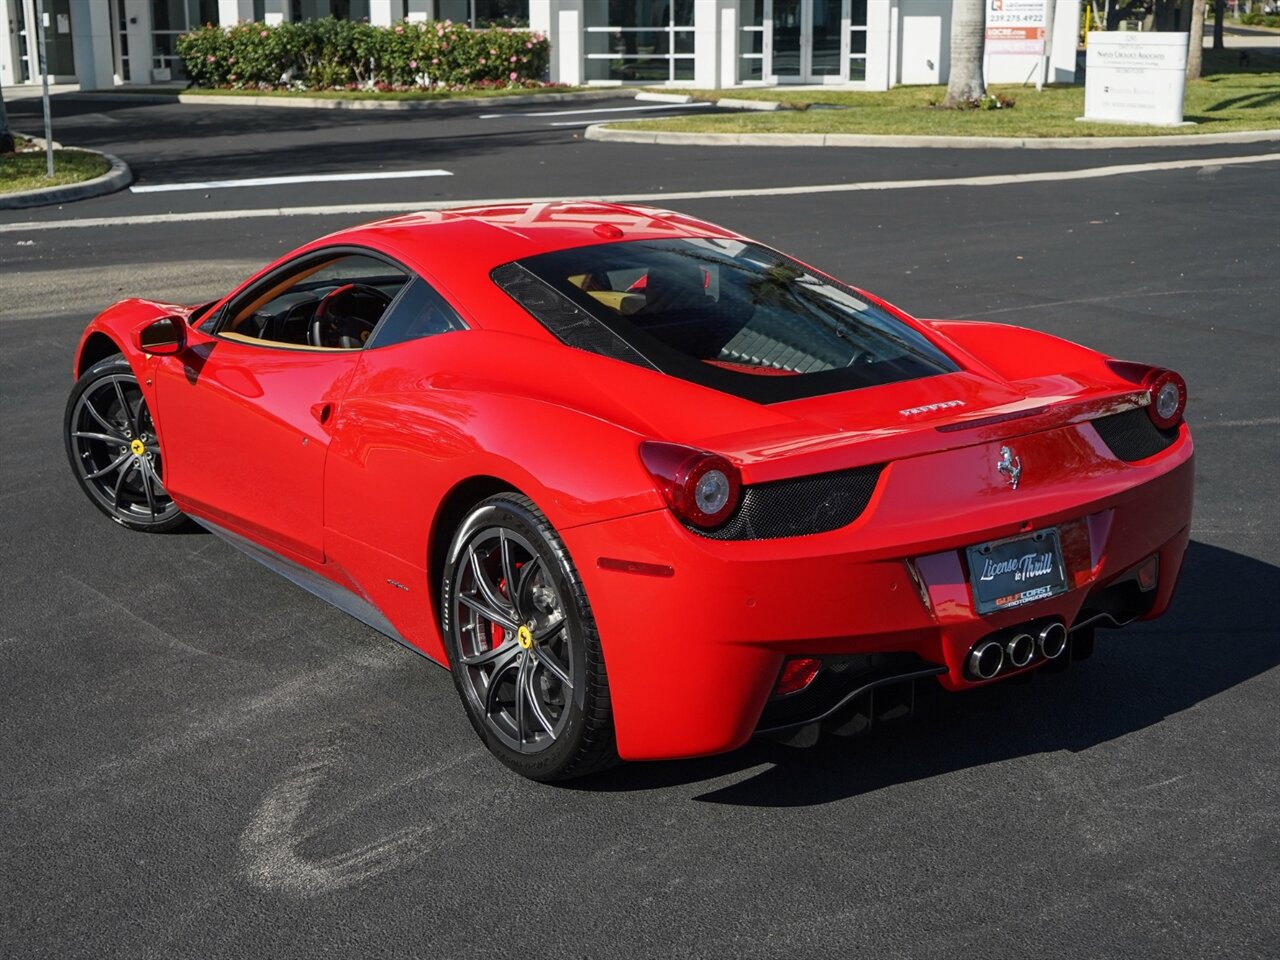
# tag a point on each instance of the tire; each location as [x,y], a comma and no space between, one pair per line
[523,646]
[112,447]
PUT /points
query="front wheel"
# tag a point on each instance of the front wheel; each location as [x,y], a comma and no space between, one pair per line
[113,448]
[523,646]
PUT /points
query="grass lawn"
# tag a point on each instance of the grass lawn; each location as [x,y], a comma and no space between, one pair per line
[481,93]
[1232,99]
[25,170]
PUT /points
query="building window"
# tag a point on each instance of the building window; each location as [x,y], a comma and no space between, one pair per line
[169,20]
[485,13]
[857,40]
[751,42]
[639,41]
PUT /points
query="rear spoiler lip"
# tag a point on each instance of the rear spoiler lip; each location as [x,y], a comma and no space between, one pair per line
[1059,414]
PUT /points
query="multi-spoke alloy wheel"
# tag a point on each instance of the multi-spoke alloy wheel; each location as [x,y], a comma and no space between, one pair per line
[113,449]
[523,645]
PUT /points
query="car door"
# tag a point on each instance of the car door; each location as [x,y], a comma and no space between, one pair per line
[250,402]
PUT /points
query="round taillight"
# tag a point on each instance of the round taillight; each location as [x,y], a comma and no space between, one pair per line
[1168,398]
[701,488]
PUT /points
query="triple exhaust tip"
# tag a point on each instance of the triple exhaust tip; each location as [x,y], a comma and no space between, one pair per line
[988,657]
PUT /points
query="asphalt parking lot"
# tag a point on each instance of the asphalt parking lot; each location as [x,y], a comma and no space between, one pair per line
[201,760]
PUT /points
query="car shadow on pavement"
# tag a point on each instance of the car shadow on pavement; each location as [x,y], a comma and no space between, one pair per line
[1220,633]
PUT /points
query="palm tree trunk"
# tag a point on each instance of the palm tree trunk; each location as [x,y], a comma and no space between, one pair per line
[1195,49]
[968,38]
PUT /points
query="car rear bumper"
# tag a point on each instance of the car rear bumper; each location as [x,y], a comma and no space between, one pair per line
[695,631]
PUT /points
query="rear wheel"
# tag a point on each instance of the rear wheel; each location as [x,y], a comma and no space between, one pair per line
[523,646]
[114,452]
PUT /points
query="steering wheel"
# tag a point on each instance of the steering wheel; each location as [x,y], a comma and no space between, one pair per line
[346,316]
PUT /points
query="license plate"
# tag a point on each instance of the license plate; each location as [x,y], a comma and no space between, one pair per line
[1010,573]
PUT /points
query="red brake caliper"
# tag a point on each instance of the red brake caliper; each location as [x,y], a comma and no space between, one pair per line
[496,633]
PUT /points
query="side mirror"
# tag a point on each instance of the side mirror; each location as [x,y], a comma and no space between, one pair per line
[164,336]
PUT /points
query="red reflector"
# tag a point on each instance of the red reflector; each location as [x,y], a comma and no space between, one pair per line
[1149,573]
[797,673]
[635,566]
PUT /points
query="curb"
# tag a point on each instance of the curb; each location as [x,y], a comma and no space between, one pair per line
[117,178]
[315,103]
[619,135]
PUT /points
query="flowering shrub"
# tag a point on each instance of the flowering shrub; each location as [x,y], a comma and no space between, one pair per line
[989,101]
[330,53]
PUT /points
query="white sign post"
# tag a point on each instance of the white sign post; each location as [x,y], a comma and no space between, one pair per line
[1135,78]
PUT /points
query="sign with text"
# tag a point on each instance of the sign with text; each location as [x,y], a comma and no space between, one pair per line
[1135,77]
[1016,26]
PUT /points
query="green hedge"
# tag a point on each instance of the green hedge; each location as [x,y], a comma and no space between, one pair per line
[1261,19]
[329,53]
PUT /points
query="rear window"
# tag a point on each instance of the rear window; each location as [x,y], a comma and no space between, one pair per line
[730,315]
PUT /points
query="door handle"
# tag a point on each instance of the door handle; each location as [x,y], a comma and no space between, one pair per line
[322,411]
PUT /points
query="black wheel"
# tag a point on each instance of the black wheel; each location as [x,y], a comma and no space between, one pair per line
[112,446]
[523,646]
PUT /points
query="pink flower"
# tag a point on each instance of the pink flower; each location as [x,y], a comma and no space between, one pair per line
[483,61]
[413,64]
[493,52]
[513,58]
[435,60]
[262,33]
[528,45]
[211,59]
[231,59]
[513,74]
[231,77]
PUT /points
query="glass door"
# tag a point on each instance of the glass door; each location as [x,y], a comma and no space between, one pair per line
[827,36]
[808,40]
[787,34]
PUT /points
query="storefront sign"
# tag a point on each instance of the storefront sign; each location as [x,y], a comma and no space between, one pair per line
[1016,26]
[1135,77]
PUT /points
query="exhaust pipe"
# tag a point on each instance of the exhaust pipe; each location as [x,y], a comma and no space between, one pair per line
[1021,649]
[986,659]
[1052,641]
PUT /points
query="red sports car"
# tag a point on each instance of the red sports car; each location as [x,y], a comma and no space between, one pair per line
[647,487]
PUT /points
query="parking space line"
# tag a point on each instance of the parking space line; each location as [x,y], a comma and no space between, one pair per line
[571,113]
[281,181]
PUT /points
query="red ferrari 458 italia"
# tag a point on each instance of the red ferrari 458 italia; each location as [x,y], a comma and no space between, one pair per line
[645,486]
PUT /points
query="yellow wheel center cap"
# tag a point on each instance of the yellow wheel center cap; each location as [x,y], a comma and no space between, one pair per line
[525,636]
[138,447]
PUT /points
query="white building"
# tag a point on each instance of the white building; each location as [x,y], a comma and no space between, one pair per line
[863,44]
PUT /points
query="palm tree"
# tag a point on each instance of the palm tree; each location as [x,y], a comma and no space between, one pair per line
[968,37]
[1195,50]
[6,135]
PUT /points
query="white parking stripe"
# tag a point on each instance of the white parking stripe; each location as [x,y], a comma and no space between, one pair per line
[279,181]
[365,209]
[573,113]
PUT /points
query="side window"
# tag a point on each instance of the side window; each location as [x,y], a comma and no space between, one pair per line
[329,302]
[419,312]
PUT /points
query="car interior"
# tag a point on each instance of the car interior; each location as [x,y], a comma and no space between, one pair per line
[331,304]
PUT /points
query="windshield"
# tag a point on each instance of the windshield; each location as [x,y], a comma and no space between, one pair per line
[731,315]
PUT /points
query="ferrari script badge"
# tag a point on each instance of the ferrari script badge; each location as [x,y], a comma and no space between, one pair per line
[1010,466]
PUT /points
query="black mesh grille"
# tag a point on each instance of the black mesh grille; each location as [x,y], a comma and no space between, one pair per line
[568,322]
[794,508]
[1132,436]
[839,677]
